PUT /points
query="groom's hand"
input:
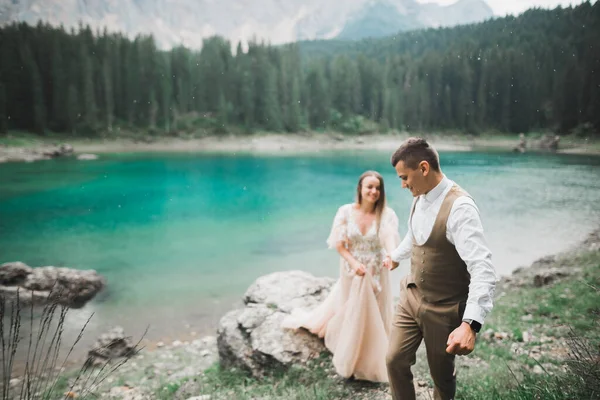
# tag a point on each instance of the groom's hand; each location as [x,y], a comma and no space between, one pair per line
[461,341]
[389,263]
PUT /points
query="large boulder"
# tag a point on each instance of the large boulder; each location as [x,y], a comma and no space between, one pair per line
[252,339]
[109,346]
[66,286]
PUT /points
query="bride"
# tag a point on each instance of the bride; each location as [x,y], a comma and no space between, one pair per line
[355,318]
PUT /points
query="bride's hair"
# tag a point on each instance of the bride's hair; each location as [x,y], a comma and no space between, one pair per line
[380,203]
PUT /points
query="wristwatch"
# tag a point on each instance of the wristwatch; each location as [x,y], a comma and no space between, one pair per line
[476,326]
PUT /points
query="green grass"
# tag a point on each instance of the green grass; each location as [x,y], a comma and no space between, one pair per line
[296,383]
[168,390]
[314,381]
[567,310]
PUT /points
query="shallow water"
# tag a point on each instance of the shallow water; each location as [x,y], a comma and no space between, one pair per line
[180,237]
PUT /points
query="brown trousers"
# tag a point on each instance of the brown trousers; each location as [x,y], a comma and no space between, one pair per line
[415,320]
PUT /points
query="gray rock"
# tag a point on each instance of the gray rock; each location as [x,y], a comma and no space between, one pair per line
[14,273]
[538,370]
[187,390]
[66,286]
[86,157]
[288,290]
[547,277]
[128,393]
[109,346]
[252,338]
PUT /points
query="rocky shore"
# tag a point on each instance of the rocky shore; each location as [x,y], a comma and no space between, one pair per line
[40,153]
[277,144]
[249,339]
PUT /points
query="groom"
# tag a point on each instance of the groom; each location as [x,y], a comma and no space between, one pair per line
[449,290]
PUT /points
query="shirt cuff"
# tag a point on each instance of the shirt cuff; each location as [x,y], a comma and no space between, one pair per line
[474,312]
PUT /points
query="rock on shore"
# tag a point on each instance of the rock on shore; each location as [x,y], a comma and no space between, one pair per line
[25,154]
[251,338]
[41,285]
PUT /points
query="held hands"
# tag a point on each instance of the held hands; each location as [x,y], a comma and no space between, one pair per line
[461,341]
[389,263]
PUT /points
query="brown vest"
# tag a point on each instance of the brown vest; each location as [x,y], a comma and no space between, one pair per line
[435,267]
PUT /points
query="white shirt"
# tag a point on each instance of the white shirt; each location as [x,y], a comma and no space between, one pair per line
[465,231]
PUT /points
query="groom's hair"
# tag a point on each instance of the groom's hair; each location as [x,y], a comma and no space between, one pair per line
[413,151]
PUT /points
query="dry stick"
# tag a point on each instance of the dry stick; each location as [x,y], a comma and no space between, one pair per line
[512,373]
[79,336]
[54,341]
[90,367]
[82,371]
[41,338]
[38,338]
[4,373]
[45,329]
[128,356]
[27,367]
[9,347]
[85,370]
[582,350]
[53,350]
[85,389]
[93,384]
[589,284]
[16,337]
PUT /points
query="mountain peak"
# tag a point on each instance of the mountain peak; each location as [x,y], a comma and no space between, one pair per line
[188,22]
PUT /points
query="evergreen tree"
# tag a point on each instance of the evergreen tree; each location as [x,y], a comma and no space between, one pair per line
[318,104]
[3,116]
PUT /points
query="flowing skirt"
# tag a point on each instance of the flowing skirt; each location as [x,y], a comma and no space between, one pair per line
[354,321]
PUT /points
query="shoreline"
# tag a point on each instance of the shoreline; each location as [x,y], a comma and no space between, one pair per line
[525,272]
[188,365]
[277,144]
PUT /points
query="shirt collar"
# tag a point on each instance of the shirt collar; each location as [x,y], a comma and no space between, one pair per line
[438,190]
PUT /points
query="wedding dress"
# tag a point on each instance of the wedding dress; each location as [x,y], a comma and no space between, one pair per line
[355,318]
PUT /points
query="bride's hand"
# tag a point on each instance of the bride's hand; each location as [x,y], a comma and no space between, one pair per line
[387,263]
[360,270]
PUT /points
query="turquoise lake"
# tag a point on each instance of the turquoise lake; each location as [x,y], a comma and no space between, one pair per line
[179,237]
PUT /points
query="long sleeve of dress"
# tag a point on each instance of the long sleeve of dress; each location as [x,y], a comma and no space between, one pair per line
[339,229]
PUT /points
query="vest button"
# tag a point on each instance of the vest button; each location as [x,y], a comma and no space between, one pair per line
[422,280]
[422,271]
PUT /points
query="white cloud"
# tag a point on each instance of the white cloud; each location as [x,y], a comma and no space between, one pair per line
[503,7]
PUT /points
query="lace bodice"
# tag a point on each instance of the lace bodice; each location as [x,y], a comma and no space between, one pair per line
[368,249]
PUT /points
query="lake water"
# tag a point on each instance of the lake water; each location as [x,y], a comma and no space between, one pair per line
[179,237]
